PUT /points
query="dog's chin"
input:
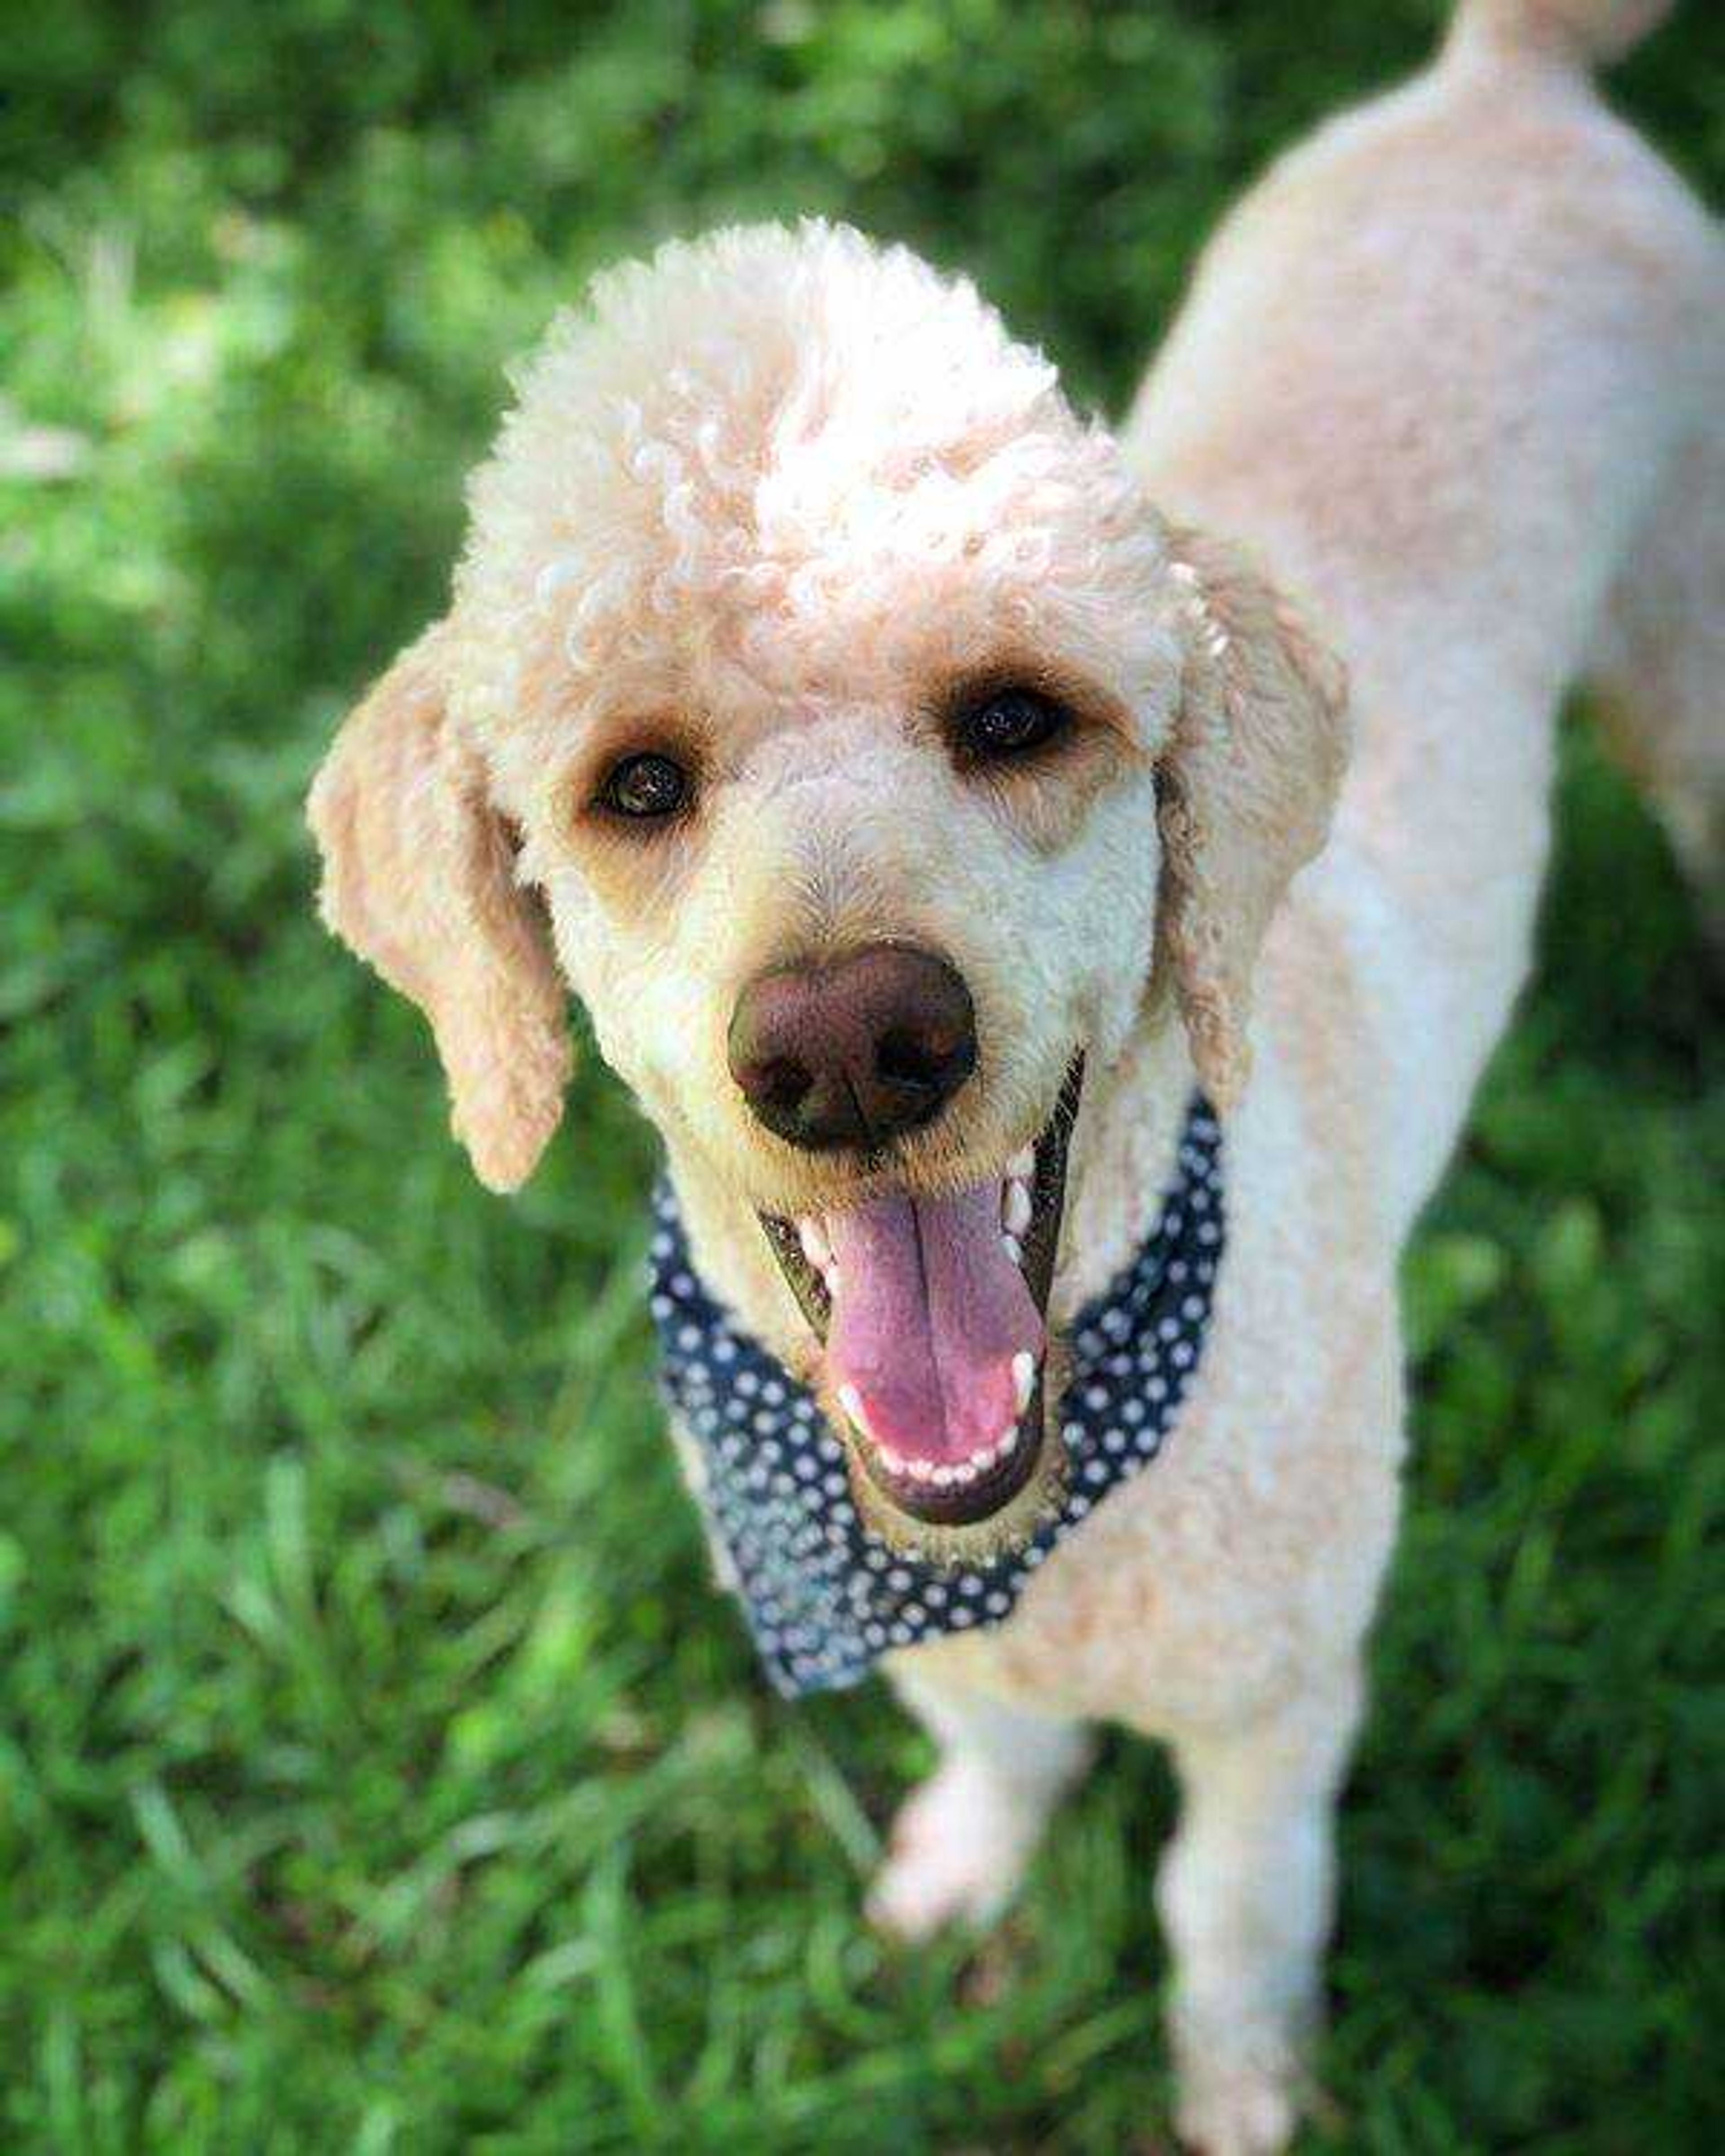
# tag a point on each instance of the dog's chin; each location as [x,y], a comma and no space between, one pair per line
[930,1314]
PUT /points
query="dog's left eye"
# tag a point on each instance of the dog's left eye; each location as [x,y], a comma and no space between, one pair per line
[1008,722]
[645,787]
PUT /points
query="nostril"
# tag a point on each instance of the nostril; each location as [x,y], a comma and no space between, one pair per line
[910,1059]
[781,1083]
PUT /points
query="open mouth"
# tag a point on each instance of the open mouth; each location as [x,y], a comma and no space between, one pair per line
[932,1313]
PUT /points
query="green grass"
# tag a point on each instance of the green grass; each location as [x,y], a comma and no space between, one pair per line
[377,1770]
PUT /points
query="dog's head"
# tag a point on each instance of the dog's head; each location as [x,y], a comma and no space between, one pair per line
[823,700]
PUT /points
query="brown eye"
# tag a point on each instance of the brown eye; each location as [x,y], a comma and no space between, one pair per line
[1008,722]
[646,787]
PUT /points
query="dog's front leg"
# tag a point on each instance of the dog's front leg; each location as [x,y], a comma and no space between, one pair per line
[962,1841]
[1245,1892]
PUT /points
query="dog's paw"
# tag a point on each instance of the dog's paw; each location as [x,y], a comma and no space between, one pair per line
[1233,2106]
[958,1850]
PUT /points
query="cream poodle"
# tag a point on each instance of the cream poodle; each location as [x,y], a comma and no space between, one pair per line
[946,828]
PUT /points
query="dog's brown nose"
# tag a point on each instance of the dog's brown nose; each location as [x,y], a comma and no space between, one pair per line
[853,1052]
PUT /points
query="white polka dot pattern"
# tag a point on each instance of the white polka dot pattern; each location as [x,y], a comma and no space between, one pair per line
[825,1597]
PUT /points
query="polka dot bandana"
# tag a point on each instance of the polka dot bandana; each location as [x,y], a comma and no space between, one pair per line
[824,1595]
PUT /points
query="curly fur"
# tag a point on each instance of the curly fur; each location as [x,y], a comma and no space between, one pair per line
[1451,372]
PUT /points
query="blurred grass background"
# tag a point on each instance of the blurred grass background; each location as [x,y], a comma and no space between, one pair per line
[378,1771]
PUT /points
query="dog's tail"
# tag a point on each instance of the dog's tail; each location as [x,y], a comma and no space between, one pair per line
[1584,32]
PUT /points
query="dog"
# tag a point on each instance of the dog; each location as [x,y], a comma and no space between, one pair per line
[962,823]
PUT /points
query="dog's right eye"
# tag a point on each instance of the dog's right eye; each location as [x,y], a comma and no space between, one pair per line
[646,787]
[1006,722]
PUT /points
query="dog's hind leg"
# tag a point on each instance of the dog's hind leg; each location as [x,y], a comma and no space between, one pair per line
[1658,671]
[961,1843]
[1245,1892]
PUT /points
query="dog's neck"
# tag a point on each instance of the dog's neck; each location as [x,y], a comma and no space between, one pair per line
[1121,1159]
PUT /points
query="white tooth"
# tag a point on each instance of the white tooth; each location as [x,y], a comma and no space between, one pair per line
[851,1401]
[1014,1248]
[1006,1440]
[919,1470]
[815,1246]
[830,1274]
[891,1461]
[1023,1165]
[943,1478]
[1024,1376]
[964,1472]
[1015,1213]
[984,1457]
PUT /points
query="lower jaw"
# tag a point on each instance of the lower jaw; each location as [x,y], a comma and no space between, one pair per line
[967,1504]
[1013,1522]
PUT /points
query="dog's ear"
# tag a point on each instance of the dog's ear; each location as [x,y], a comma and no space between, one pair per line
[418,878]
[1246,784]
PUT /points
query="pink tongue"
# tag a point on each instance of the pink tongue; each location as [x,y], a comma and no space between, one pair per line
[929,1313]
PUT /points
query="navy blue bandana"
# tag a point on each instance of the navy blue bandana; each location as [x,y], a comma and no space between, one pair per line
[825,1596]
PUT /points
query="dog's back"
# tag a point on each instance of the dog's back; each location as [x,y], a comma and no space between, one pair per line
[1454,368]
